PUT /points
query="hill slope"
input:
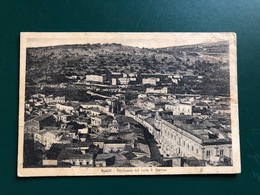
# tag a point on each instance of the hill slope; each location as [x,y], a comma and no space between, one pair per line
[53,64]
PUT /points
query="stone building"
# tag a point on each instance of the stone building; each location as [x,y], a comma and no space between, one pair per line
[179,136]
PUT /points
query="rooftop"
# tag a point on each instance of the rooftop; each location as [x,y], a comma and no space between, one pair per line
[72,104]
[68,153]
[104,156]
[200,130]
[201,104]
[54,151]
[42,117]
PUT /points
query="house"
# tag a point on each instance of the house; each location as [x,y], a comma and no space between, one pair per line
[83,146]
[153,105]
[144,162]
[222,110]
[68,107]
[38,95]
[124,127]
[95,112]
[144,149]
[104,160]
[179,108]
[157,90]
[132,111]
[82,137]
[71,130]
[100,106]
[47,138]
[52,99]
[98,143]
[201,113]
[74,157]
[113,146]
[38,123]
[83,120]
[65,118]
[114,81]
[124,81]
[101,120]
[173,162]
[52,154]
[193,162]
[150,81]
[95,78]
[144,115]
[201,105]
[83,131]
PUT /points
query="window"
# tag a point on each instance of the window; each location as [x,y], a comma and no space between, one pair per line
[221,152]
[192,148]
[197,151]
[207,153]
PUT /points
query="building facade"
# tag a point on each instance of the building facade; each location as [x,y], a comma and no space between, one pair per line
[176,140]
[179,108]
[162,90]
[150,81]
[95,78]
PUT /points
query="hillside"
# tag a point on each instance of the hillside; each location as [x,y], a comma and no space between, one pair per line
[53,64]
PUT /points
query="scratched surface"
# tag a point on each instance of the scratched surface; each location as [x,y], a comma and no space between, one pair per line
[242,17]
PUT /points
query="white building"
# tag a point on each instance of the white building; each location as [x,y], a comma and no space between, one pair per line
[179,108]
[58,99]
[180,139]
[92,105]
[95,78]
[151,81]
[163,90]
[113,147]
[69,108]
[114,81]
[47,138]
[125,80]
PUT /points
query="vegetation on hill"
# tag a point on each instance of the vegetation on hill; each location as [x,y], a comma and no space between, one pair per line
[52,65]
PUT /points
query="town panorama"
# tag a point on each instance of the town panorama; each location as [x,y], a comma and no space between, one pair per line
[113,105]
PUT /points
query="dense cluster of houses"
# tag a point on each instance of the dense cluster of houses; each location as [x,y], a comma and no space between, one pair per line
[85,134]
[187,126]
[155,129]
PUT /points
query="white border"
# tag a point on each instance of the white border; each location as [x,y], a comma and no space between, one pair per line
[26,41]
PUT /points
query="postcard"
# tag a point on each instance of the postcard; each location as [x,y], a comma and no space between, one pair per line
[98,104]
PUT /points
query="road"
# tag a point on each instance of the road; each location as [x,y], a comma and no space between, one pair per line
[155,153]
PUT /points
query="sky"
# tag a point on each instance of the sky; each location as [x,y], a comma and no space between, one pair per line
[147,40]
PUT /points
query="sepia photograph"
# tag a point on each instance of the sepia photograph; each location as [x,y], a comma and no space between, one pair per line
[100,104]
